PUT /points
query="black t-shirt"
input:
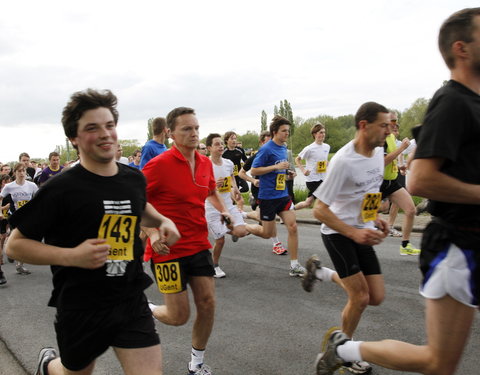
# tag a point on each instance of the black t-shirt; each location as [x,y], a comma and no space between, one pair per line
[79,205]
[246,167]
[236,156]
[451,130]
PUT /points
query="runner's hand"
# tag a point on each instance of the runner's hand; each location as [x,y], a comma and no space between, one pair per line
[90,254]
[306,172]
[383,226]
[169,233]
[158,244]
[368,237]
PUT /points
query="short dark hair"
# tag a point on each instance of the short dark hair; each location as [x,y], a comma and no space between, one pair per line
[158,125]
[369,111]
[277,121]
[22,155]
[227,136]
[5,177]
[316,128]
[264,135]
[459,26]
[52,154]
[136,152]
[82,101]
[19,166]
[177,112]
[210,137]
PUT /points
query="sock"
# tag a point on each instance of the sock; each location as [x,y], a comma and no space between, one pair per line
[350,351]
[405,243]
[151,306]
[294,262]
[324,274]
[196,358]
[215,265]
[275,240]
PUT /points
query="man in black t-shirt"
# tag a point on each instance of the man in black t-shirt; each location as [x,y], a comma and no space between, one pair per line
[237,156]
[89,218]
[445,170]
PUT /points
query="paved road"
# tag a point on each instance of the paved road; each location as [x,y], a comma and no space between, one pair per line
[265,323]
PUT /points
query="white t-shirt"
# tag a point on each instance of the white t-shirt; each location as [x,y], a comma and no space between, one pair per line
[316,157]
[224,171]
[21,194]
[348,188]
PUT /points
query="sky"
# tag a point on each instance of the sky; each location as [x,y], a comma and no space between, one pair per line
[227,60]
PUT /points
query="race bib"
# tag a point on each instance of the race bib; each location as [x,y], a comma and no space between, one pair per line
[280,185]
[321,166]
[119,231]
[227,185]
[169,279]
[235,170]
[21,203]
[394,167]
[5,213]
[370,205]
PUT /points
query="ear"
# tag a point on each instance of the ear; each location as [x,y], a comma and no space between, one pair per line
[362,124]
[168,133]
[460,49]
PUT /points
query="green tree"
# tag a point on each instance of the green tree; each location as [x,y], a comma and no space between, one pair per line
[249,140]
[412,116]
[263,121]
[149,129]
[129,146]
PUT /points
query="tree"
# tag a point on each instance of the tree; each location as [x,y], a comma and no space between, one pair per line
[150,128]
[263,121]
[129,146]
[412,116]
[249,140]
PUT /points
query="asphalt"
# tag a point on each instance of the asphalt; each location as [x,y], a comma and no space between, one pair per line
[9,365]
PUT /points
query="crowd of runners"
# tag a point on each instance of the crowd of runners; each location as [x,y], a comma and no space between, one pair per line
[159,207]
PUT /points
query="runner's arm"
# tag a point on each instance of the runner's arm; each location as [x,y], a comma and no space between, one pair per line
[152,219]
[258,171]
[426,180]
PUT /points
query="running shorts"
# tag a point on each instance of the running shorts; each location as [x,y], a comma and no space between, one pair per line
[389,187]
[271,207]
[217,228]
[312,186]
[84,335]
[349,257]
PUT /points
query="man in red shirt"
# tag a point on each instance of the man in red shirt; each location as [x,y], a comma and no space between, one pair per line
[178,182]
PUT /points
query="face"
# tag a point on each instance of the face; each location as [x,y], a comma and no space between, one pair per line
[378,130]
[319,136]
[186,132]
[232,141]
[119,152]
[475,46]
[137,157]
[55,162]
[266,139]
[282,134]
[96,136]
[20,174]
[6,169]
[217,147]
[25,160]
[202,149]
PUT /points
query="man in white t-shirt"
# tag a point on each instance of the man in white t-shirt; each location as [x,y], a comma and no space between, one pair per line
[316,158]
[227,188]
[347,205]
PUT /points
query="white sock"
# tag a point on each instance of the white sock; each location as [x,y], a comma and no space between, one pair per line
[324,274]
[350,351]
[152,306]
[294,262]
[196,358]
[275,240]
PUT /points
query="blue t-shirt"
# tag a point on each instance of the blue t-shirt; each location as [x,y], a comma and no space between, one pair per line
[151,149]
[272,184]
[132,164]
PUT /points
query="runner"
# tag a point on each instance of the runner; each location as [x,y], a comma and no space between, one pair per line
[271,164]
[22,192]
[4,227]
[227,187]
[316,157]
[83,215]
[53,168]
[137,154]
[447,155]
[347,206]
[155,146]
[237,156]
[278,247]
[182,197]
[24,158]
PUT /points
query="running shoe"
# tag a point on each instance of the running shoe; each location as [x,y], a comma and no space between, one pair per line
[279,249]
[394,233]
[3,280]
[409,250]
[21,270]
[297,271]
[219,273]
[200,370]
[358,367]
[328,361]
[44,357]
[10,260]
[308,279]
[234,238]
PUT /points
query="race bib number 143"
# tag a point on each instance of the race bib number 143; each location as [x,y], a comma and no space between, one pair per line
[119,231]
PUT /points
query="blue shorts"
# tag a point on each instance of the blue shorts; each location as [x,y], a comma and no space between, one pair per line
[271,207]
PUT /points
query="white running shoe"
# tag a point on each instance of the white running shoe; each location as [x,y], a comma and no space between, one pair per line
[219,273]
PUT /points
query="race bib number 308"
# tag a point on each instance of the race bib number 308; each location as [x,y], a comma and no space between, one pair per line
[119,231]
[169,279]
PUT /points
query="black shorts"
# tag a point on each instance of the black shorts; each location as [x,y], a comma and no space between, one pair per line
[241,184]
[271,207]
[312,186]
[401,180]
[3,226]
[172,276]
[84,335]
[349,257]
[389,187]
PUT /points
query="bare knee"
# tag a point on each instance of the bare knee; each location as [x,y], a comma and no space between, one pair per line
[360,301]
[409,210]
[240,231]
[205,305]
[376,300]
[292,228]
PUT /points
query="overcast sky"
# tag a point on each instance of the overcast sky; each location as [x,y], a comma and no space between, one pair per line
[228,60]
